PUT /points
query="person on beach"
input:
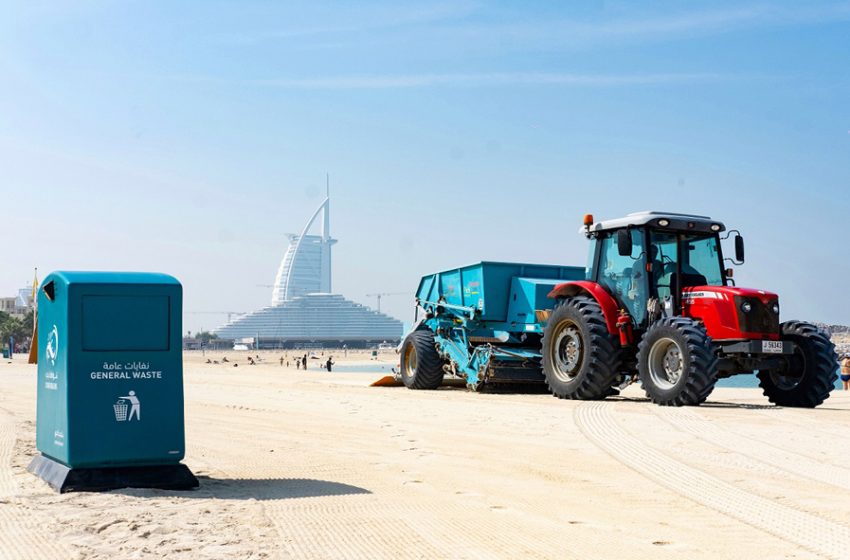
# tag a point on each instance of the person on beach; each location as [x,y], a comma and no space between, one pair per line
[297,363]
[329,364]
[281,361]
[845,372]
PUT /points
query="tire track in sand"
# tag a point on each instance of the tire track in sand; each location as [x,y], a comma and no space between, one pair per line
[787,461]
[301,522]
[390,522]
[22,535]
[829,539]
[804,417]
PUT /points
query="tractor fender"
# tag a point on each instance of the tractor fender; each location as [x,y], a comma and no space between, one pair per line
[609,306]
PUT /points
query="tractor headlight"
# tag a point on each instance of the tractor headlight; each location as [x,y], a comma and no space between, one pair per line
[775,307]
[663,222]
[746,307]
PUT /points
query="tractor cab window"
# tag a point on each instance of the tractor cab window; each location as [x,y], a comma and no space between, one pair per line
[591,259]
[625,276]
[699,256]
[701,261]
[662,259]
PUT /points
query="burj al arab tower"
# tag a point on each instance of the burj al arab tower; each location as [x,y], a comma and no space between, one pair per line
[304,310]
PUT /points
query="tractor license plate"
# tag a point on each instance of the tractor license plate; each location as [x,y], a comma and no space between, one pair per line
[771,346]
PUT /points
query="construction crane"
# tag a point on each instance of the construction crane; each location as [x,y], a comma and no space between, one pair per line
[229,314]
[382,294]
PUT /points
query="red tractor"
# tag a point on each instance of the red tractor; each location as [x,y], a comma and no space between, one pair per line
[659,305]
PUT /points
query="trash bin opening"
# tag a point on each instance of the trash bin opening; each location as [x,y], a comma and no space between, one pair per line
[50,290]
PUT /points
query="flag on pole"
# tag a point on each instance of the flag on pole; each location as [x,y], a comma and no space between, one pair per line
[34,287]
[33,357]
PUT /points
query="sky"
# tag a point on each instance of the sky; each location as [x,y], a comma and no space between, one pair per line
[191,137]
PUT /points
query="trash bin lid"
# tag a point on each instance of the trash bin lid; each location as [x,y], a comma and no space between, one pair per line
[92,277]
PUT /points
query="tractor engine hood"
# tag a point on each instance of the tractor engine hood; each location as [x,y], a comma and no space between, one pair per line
[732,313]
[726,292]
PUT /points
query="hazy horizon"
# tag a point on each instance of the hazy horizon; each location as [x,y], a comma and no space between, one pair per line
[190,139]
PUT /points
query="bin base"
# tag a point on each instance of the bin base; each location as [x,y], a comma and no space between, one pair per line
[65,479]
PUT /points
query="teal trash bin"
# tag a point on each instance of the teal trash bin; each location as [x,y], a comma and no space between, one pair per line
[110,382]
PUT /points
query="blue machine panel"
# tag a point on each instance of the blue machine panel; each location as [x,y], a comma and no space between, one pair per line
[531,294]
[489,287]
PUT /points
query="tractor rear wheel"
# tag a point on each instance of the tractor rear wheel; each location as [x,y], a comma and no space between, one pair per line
[581,360]
[677,363]
[421,365]
[809,375]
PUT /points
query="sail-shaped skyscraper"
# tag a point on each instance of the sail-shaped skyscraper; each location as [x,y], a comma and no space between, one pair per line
[304,310]
[306,266]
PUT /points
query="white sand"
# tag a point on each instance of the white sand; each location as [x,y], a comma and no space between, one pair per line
[317,465]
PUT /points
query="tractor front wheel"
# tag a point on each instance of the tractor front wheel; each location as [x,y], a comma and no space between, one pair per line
[421,365]
[808,375]
[581,360]
[677,363]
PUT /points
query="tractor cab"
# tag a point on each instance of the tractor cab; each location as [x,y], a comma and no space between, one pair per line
[647,260]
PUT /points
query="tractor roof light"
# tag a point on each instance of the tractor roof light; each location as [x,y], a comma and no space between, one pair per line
[588,222]
[663,222]
[715,227]
[775,307]
[746,307]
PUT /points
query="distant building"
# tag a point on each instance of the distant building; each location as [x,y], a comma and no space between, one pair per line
[304,312]
[19,305]
[8,304]
[306,266]
[23,302]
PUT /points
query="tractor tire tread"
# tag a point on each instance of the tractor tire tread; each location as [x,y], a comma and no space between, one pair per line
[817,388]
[603,353]
[701,369]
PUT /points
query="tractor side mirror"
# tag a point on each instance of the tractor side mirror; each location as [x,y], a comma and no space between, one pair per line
[624,243]
[739,248]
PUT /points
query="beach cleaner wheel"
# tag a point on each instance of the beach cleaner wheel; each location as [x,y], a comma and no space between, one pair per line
[421,365]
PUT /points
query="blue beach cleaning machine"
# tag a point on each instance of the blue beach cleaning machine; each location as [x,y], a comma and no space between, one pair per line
[481,323]
[110,382]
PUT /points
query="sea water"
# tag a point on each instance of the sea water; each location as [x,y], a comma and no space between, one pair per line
[377,367]
[750,380]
